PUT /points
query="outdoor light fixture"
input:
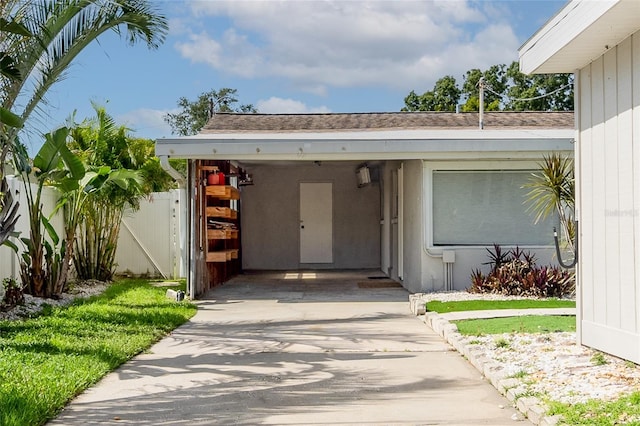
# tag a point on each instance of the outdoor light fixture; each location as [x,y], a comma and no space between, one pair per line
[363,175]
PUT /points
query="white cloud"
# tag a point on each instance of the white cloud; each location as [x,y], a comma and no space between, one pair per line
[315,45]
[275,105]
[147,123]
[202,48]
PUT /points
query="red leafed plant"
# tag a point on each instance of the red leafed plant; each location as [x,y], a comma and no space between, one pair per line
[514,272]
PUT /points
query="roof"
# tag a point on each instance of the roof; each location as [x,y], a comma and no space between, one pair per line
[375,136]
[579,33]
[318,123]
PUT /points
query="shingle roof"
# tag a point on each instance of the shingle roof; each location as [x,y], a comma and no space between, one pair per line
[289,123]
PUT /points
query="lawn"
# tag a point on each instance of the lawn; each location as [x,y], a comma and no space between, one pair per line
[47,360]
[522,324]
[623,411]
[483,305]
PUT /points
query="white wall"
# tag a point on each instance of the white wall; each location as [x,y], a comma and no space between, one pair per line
[412,226]
[270,216]
[608,199]
[424,269]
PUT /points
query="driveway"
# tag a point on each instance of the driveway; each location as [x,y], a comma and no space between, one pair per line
[307,349]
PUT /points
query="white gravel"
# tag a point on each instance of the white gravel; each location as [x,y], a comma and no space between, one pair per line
[552,366]
[33,305]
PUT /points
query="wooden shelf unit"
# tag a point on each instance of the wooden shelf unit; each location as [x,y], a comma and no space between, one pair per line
[221,244]
[216,251]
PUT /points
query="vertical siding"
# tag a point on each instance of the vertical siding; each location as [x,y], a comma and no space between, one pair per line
[597,255]
[585,197]
[626,251]
[635,134]
[611,193]
[609,198]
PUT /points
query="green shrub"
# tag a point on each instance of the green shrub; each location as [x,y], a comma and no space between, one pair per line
[515,272]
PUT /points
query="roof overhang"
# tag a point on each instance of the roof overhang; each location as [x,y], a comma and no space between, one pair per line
[579,33]
[379,145]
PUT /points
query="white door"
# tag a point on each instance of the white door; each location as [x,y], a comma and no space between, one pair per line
[316,222]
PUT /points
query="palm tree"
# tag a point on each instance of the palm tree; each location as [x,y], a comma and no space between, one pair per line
[40,39]
[60,30]
[102,144]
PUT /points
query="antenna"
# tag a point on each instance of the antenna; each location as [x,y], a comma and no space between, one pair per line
[481,114]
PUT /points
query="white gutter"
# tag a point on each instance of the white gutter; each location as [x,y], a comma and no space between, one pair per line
[371,149]
[164,163]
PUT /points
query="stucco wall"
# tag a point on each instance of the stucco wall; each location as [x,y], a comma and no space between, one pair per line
[608,199]
[423,265]
[270,217]
[412,226]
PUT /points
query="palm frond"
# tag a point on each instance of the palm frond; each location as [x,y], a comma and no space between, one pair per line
[61,30]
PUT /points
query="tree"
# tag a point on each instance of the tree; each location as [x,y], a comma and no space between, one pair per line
[506,88]
[495,81]
[195,114]
[40,39]
[444,97]
[541,92]
[130,170]
[8,122]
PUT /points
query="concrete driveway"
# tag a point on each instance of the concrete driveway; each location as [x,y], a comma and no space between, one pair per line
[311,349]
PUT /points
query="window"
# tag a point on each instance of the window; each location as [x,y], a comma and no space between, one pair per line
[485,207]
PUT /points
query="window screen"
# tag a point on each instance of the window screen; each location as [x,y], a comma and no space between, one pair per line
[485,207]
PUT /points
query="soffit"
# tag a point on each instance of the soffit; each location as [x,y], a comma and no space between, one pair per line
[580,33]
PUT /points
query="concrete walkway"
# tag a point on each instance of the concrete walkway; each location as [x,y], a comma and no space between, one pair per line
[314,349]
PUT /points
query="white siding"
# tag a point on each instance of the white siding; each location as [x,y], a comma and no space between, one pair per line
[609,200]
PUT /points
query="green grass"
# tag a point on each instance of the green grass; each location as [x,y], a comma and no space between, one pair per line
[523,324]
[483,305]
[624,410]
[47,360]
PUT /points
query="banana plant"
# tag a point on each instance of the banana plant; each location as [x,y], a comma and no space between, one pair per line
[73,203]
[41,261]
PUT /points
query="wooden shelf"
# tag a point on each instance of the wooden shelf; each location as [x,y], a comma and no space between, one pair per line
[222,255]
[209,168]
[223,212]
[223,192]
[222,234]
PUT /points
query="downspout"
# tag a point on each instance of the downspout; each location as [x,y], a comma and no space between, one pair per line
[180,180]
[164,163]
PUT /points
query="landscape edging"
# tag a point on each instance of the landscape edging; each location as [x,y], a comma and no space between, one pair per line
[531,407]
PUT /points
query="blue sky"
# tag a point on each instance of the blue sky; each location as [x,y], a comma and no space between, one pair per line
[291,56]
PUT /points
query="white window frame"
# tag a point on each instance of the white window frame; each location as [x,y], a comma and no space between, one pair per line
[463,166]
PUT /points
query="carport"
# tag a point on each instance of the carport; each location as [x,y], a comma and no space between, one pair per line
[339,191]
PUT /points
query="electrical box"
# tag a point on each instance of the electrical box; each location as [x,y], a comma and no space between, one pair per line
[448,256]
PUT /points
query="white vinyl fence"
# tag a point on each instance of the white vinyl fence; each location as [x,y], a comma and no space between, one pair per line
[151,243]
[151,239]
